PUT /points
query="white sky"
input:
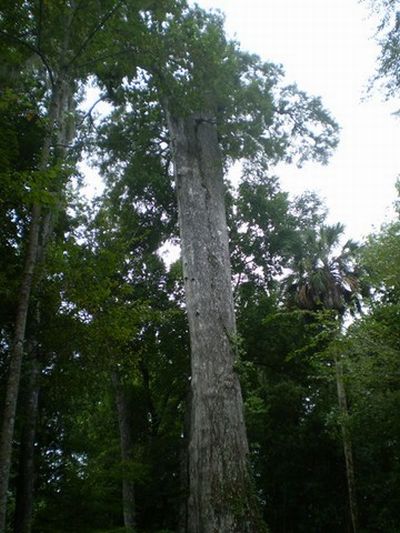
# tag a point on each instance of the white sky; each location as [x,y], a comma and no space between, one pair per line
[327,48]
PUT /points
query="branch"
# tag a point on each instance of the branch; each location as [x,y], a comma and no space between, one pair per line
[32,49]
[39,37]
[93,33]
[90,110]
[237,284]
[98,59]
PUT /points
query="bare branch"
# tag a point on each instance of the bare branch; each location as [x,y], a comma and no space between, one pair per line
[90,110]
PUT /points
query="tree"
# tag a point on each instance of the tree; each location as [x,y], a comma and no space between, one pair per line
[370,346]
[220,105]
[288,392]
[388,35]
[60,44]
[209,124]
[191,96]
[323,281]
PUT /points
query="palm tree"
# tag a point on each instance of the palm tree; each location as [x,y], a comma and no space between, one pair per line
[325,276]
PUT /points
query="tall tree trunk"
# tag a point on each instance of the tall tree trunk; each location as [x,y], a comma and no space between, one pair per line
[24,496]
[17,349]
[220,489]
[125,432]
[347,445]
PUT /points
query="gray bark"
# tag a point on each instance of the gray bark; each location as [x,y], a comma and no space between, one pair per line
[347,445]
[125,432]
[221,498]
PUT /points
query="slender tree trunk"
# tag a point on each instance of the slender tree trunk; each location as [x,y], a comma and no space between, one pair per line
[155,419]
[24,497]
[221,498]
[16,355]
[125,432]
[17,349]
[347,445]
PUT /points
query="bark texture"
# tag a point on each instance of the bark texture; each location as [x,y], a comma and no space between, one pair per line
[347,445]
[125,432]
[220,490]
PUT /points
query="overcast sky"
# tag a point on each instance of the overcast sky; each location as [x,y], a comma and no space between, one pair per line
[327,47]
